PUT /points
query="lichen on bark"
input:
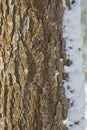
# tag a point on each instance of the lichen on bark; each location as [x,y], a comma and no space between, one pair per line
[32,96]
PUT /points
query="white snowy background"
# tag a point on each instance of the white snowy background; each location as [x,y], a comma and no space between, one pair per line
[84,48]
[74,88]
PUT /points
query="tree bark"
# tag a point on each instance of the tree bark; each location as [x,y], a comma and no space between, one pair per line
[32,58]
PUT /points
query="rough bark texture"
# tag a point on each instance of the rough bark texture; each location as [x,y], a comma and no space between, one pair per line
[32,52]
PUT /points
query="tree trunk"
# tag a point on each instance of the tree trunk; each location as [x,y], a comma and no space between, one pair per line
[32,58]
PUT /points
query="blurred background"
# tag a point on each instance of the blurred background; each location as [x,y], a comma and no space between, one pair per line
[84,33]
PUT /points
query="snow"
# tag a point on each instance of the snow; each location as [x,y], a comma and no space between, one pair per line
[74,87]
[86,104]
[56,73]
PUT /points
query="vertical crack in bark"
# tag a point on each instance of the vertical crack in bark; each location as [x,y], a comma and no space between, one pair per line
[5,105]
[13,21]
[10,80]
[30,76]
[17,72]
[7,10]
[6,126]
[12,101]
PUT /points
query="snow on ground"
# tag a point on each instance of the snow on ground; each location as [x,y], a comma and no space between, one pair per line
[74,87]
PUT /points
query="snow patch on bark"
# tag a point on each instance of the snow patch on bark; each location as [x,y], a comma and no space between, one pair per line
[75,85]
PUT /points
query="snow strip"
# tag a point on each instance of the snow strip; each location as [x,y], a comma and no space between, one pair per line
[74,87]
[86,104]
